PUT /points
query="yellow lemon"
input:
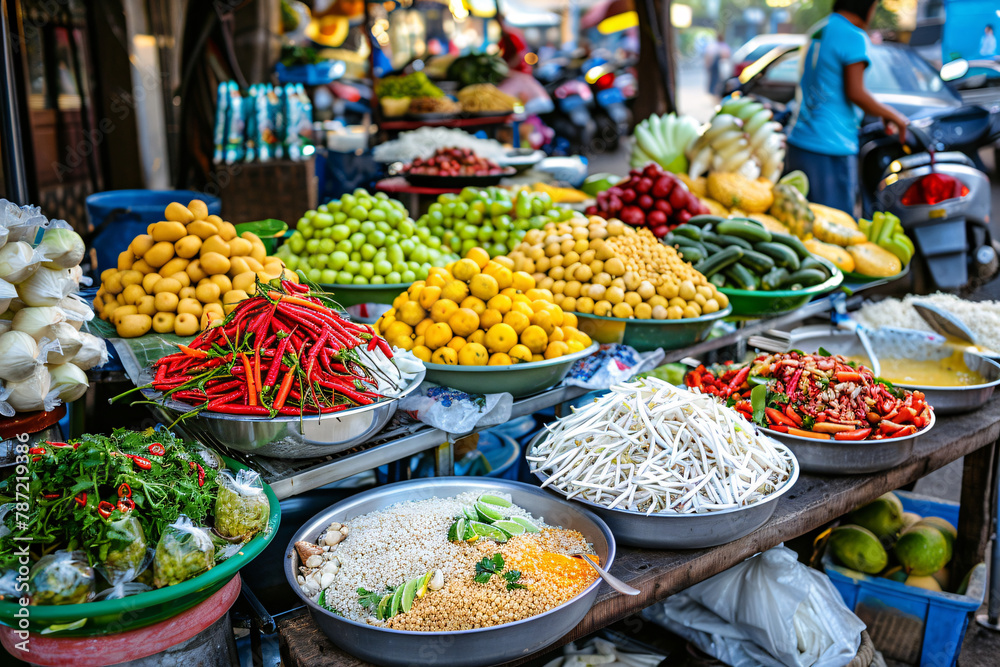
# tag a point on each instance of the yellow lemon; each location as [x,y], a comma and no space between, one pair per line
[518,321]
[539,294]
[422,325]
[465,269]
[556,348]
[499,359]
[402,342]
[443,309]
[475,304]
[510,292]
[464,321]
[503,260]
[522,307]
[437,335]
[500,303]
[501,337]
[542,319]
[477,336]
[537,357]
[479,256]
[569,320]
[455,290]
[522,281]
[503,275]
[445,355]
[575,346]
[535,339]
[418,341]
[557,334]
[400,300]
[437,280]
[397,328]
[456,343]
[428,295]
[413,291]
[438,271]
[489,318]
[473,354]
[422,352]
[411,313]
[520,354]
[484,286]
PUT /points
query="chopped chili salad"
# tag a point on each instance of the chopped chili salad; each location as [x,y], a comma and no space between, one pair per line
[817,396]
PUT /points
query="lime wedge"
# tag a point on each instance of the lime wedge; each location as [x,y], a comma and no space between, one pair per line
[491,532]
[59,627]
[487,513]
[409,590]
[528,526]
[397,599]
[494,500]
[383,607]
[470,534]
[509,527]
[422,586]
[471,514]
[457,531]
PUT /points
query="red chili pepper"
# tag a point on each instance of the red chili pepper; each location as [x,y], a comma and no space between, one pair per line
[50,496]
[739,379]
[105,509]
[143,463]
[57,444]
[36,450]
[857,434]
[192,352]
[256,373]
[81,499]
[125,505]
[848,376]
[249,410]
[775,417]
[157,449]
[201,475]
[793,415]
[124,490]
[286,385]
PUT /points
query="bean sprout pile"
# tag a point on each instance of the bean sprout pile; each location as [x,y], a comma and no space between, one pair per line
[648,446]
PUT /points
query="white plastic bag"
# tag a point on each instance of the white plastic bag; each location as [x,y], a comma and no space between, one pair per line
[455,411]
[612,364]
[768,610]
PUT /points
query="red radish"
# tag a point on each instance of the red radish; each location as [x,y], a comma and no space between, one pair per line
[664,205]
[661,231]
[645,202]
[614,204]
[644,185]
[632,215]
[679,198]
[652,170]
[615,190]
[681,217]
[628,196]
[591,210]
[656,218]
[663,186]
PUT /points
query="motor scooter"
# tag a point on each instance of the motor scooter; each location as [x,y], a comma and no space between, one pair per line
[943,202]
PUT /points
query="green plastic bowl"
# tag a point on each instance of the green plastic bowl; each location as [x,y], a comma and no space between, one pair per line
[516,379]
[136,611]
[269,231]
[645,335]
[759,303]
[352,295]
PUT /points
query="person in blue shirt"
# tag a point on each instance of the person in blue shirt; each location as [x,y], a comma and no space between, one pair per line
[823,141]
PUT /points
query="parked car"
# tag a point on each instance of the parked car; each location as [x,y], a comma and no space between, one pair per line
[758,46]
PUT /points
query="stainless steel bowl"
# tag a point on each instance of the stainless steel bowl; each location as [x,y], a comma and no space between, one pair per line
[944,400]
[840,457]
[466,648]
[683,531]
[295,437]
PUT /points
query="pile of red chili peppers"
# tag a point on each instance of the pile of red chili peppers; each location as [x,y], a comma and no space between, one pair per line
[281,352]
[815,396]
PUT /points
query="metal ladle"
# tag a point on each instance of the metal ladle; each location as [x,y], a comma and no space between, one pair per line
[944,322]
[612,580]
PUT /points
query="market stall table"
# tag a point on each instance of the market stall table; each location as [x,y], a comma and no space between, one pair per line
[813,502]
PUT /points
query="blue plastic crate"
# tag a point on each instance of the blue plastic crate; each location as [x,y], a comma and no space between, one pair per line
[912,624]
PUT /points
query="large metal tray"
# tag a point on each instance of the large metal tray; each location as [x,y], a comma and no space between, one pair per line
[295,437]
[682,531]
[944,400]
[466,648]
[843,457]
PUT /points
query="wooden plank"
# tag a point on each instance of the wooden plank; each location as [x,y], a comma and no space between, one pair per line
[974,524]
[813,502]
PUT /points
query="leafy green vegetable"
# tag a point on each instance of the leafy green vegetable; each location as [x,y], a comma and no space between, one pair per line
[322,602]
[478,68]
[758,402]
[512,577]
[367,599]
[409,85]
[823,352]
[776,399]
[487,567]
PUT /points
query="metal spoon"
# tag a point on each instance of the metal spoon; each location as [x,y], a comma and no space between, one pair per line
[844,321]
[944,322]
[612,580]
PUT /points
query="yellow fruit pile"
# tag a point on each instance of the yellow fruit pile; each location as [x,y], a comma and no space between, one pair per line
[478,312]
[183,273]
[608,268]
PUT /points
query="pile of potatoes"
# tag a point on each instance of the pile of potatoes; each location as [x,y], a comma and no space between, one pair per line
[183,273]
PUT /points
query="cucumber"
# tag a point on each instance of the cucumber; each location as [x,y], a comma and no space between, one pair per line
[726,241]
[689,231]
[751,221]
[792,242]
[757,262]
[718,280]
[685,241]
[711,247]
[774,278]
[719,261]
[803,278]
[692,253]
[815,265]
[743,229]
[704,219]
[741,277]
[782,255]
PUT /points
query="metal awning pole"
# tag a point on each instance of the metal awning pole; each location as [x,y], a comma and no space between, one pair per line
[10,123]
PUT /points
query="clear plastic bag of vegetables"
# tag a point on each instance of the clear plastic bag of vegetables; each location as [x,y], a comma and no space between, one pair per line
[125,553]
[241,508]
[184,551]
[62,577]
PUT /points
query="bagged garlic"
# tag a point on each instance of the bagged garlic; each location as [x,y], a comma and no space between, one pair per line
[69,381]
[93,352]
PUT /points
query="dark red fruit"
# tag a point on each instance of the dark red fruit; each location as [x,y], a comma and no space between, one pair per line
[656,218]
[644,185]
[633,215]
[660,231]
[679,198]
[591,210]
[664,205]
[645,202]
[652,170]
[614,204]
[681,217]
[614,190]
[628,196]
[663,187]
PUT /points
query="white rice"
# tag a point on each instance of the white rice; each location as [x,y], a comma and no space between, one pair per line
[981,317]
[425,141]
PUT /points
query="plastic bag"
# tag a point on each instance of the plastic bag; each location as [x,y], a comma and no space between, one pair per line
[122,591]
[241,508]
[126,553]
[614,363]
[63,577]
[184,551]
[455,411]
[768,610]
[21,222]
[598,651]
[92,353]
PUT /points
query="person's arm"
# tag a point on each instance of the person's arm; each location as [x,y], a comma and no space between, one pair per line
[854,87]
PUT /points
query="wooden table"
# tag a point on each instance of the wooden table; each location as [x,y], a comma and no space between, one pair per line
[813,502]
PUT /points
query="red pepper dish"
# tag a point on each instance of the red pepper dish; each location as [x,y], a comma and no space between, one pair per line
[815,396]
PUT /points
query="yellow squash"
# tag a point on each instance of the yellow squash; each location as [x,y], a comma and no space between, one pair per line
[840,257]
[871,260]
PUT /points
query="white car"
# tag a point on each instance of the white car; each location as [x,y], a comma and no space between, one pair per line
[757,46]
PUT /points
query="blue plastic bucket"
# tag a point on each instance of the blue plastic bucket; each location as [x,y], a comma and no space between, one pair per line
[119,216]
